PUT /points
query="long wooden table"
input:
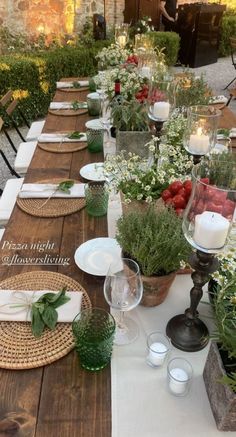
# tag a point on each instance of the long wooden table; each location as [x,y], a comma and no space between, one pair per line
[59,400]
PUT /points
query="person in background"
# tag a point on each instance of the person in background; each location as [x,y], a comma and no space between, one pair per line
[168,12]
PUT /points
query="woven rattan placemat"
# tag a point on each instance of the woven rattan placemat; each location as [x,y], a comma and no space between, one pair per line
[74,90]
[55,207]
[19,349]
[63,147]
[68,112]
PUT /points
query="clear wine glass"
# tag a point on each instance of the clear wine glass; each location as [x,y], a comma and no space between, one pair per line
[123,290]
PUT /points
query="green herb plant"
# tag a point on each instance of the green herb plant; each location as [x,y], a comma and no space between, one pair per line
[129,116]
[154,239]
[225,318]
[43,311]
[75,135]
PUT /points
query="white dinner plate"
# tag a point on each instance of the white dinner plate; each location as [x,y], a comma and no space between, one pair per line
[95,256]
[93,172]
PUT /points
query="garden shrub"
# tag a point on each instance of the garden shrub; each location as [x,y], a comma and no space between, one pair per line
[228,29]
[33,77]
[171,42]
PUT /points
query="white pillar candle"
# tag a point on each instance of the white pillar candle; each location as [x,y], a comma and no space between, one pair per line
[178,381]
[211,230]
[199,143]
[157,354]
[161,110]
[121,40]
[145,72]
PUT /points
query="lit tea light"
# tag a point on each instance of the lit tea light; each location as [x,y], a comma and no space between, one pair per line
[178,382]
[121,40]
[157,354]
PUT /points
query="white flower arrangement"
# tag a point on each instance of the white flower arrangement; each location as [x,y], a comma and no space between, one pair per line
[111,56]
[171,148]
[227,269]
[130,82]
[137,178]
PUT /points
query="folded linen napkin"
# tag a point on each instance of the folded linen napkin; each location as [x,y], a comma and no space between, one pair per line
[232,133]
[67,105]
[60,138]
[43,191]
[71,84]
[218,99]
[15,305]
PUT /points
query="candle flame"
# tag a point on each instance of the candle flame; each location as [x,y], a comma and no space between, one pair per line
[199,131]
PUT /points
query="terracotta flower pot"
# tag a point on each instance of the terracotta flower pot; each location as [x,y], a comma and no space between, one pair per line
[139,205]
[156,288]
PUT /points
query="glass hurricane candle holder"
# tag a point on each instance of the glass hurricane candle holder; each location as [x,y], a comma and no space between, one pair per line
[201,131]
[207,222]
[121,35]
[161,101]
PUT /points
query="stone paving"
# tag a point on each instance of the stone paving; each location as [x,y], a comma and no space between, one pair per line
[217,76]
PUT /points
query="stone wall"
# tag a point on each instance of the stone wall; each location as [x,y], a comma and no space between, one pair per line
[56,16]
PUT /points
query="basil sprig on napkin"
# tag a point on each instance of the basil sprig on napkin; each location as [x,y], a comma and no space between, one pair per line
[75,135]
[78,105]
[65,186]
[43,311]
[76,84]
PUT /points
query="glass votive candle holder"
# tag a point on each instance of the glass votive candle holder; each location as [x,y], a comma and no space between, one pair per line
[94,104]
[94,331]
[161,99]
[95,139]
[158,346]
[223,144]
[179,376]
[200,134]
[96,198]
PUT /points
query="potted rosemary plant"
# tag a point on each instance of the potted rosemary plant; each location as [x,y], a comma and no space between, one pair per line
[154,239]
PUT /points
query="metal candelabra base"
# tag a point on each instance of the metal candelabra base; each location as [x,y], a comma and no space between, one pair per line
[186,331]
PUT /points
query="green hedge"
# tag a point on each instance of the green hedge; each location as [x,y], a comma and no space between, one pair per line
[171,42]
[33,76]
[228,29]
[36,75]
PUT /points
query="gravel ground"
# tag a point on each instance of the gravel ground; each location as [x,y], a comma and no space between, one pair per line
[217,76]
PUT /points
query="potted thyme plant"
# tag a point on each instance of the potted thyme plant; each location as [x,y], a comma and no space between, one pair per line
[154,239]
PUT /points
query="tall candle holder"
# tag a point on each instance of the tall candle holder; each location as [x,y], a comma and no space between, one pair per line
[121,34]
[161,101]
[201,131]
[207,223]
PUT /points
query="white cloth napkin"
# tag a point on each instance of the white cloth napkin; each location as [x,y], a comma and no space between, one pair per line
[232,133]
[70,84]
[218,99]
[41,191]
[66,313]
[60,138]
[66,105]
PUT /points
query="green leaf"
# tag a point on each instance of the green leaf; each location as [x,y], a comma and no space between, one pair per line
[76,84]
[75,135]
[61,301]
[50,317]
[65,186]
[37,326]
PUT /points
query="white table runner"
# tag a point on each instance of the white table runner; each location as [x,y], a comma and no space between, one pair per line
[141,403]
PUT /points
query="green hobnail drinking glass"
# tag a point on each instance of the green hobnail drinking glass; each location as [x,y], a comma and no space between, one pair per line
[95,140]
[96,197]
[94,330]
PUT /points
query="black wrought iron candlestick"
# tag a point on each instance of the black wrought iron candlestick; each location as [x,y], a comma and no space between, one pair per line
[186,331]
[158,127]
[197,159]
